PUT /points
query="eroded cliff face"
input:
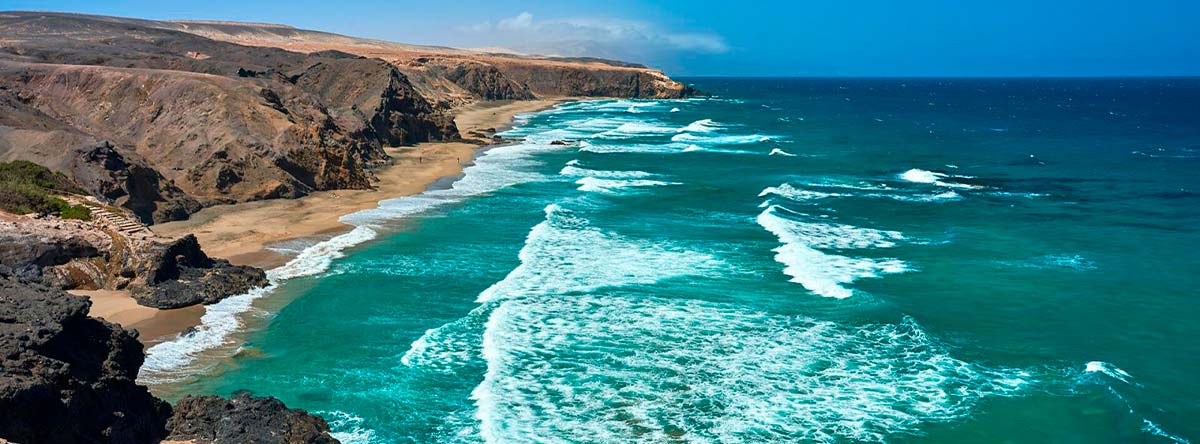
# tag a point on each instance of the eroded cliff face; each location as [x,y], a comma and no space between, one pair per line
[450,75]
[66,378]
[188,121]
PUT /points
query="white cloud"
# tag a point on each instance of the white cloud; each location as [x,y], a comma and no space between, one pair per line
[595,37]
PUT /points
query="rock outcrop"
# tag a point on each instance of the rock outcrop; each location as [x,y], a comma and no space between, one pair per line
[68,378]
[246,420]
[160,273]
[179,274]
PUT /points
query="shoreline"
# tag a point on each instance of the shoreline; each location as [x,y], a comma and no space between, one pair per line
[243,233]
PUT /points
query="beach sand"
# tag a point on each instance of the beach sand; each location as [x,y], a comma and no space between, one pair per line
[242,232]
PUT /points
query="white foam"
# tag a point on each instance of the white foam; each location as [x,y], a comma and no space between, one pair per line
[796,194]
[674,110]
[779,152]
[693,147]
[565,254]
[854,191]
[921,176]
[167,361]
[576,171]
[635,129]
[823,273]
[172,360]
[348,428]
[1150,427]
[917,175]
[700,126]
[609,367]
[1109,370]
[720,140]
[640,148]
[601,185]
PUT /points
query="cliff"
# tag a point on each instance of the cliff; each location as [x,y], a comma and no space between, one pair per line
[164,118]
[163,122]
[452,76]
[68,378]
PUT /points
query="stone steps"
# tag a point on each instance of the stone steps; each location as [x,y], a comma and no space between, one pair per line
[119,223]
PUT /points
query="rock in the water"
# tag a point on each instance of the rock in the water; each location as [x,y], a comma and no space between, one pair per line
[179,274]
[68,378]
[245,420]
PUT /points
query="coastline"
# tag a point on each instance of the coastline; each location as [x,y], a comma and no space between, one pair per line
[243,233]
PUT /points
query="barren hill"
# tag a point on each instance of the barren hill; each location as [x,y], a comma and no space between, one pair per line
[166,117]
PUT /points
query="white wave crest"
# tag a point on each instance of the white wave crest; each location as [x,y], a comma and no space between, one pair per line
[577,171]
[565,254]
[779,152]
[917,175]
[1109,370]
[635,129]
[720,140]
[700,126]
[852,191]
[825,273]
[600,185]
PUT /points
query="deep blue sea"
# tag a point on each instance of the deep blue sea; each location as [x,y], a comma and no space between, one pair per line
[788,261]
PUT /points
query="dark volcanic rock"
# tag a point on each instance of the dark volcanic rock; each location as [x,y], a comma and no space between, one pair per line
[245,420]
[68,378]
[179,274]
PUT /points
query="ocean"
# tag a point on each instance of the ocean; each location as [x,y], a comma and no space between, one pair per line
[789,260]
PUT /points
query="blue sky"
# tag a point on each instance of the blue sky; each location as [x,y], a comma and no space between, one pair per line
[767,38]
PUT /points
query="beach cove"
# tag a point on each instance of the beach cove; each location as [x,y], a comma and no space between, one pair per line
[776,263]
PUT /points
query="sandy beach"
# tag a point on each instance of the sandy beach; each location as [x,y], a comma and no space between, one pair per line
[242,232]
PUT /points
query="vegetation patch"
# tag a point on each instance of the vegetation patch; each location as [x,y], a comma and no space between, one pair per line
[26,187]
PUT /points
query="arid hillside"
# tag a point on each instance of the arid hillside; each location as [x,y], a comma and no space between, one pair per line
[164,118]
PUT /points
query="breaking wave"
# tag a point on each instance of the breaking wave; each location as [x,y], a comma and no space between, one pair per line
[822,272]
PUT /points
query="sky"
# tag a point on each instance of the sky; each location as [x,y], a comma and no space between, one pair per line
[875,38]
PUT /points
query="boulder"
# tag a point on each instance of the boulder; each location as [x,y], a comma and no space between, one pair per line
[244,419]
[178,274]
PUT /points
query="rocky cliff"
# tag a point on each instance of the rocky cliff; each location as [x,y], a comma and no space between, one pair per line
[451,75]
[66,378]
[162,122]
[163,118]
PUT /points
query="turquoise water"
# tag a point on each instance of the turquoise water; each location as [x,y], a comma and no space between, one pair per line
[828,261]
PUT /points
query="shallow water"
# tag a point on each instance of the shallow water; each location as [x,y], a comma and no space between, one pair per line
[793,261]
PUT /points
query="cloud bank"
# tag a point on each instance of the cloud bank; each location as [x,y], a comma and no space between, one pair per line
[593,37]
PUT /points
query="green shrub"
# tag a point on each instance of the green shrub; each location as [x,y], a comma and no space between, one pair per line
[26,187]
